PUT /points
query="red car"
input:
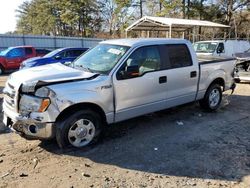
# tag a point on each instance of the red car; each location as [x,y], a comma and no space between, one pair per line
[11,58]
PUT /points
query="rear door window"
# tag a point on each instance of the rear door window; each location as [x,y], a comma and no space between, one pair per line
[77,53]
[178,55]
[73,53]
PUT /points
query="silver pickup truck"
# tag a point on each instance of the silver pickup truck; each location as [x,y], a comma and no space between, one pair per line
[115,81]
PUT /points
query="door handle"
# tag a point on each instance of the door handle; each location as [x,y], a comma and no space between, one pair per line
[193,74]
[162,79]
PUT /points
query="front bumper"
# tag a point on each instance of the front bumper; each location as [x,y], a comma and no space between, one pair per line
[27,127]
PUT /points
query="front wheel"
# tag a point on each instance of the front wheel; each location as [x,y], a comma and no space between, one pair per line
[79,130]
[1,70]
[212,98]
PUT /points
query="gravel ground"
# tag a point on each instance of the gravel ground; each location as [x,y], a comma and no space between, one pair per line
[179,147]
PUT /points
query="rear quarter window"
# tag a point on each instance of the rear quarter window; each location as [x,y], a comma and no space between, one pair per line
[179,55]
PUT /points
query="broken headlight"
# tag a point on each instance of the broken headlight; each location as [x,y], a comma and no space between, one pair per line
[28,87]
[42,92]
[33,104]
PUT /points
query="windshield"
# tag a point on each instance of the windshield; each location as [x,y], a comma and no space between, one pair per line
[53,53]
[100,59]
[205,47]
[4,52]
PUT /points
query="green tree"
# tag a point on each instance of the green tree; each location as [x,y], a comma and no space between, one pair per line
[65,17]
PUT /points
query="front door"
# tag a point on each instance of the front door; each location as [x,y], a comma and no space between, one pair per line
[144,92]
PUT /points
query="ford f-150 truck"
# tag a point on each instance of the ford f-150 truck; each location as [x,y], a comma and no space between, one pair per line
[115,81]
[11,58]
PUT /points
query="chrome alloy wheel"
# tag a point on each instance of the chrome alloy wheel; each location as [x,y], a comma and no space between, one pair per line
[81,133]
[214,97]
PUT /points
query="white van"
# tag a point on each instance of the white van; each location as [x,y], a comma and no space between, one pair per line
[223,48]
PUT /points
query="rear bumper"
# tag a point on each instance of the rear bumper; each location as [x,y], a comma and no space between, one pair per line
[27,127]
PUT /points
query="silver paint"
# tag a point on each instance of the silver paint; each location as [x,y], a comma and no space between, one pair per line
[119,99]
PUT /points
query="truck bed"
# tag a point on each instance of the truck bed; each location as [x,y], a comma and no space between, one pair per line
[212,59]
[209,67]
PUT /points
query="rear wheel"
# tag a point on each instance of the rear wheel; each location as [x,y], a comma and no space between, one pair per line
[79,130]
[212,98]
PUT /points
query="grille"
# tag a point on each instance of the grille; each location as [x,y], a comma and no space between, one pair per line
[10,96]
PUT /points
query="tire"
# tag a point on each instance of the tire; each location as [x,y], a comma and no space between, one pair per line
[79,130]
[1,70]
[212,99]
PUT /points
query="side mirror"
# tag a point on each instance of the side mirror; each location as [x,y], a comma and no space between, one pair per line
[58,57]
[128,72]
[219,50]
[68,63]
[132,71]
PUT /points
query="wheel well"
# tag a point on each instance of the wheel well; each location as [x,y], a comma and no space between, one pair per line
[219,81]
[81,106]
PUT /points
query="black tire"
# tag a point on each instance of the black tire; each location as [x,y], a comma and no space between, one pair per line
[206,102]
[64,126]
[1,70]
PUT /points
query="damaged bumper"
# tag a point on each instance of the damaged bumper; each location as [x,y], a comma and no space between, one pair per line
[27,127]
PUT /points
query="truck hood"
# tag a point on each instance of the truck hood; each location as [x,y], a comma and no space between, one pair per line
[46,75]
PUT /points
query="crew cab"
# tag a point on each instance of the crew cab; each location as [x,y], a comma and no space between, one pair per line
[115,81]
[11,58]
[61,55]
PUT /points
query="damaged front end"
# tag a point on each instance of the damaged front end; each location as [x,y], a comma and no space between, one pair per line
[28,111]
[32,107]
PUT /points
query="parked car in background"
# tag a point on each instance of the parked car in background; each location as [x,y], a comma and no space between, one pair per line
[243,59]
[243,66]
[115,81]
[11,58]
[61,55]
[221,48]
[42,52]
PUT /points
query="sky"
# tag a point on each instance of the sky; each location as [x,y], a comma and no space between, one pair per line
[8,15]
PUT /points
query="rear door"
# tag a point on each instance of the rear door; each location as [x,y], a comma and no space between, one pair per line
[146,91]
[15,57]
[182,75]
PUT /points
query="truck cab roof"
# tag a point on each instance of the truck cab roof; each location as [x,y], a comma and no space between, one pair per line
[133,42]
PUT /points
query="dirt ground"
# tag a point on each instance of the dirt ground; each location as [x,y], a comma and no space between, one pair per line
[179,147]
